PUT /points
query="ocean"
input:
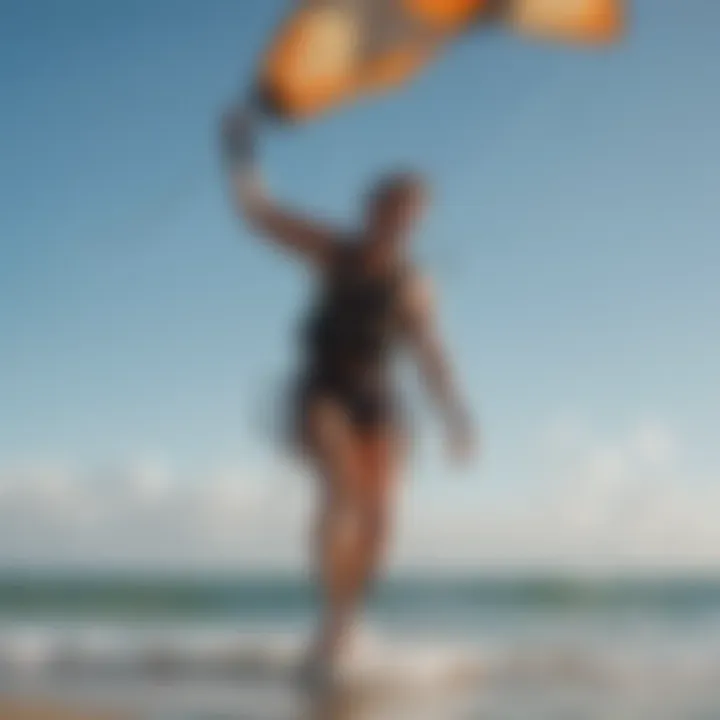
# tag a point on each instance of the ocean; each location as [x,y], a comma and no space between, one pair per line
[196,648]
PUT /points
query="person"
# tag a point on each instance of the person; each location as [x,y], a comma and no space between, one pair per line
[346,414]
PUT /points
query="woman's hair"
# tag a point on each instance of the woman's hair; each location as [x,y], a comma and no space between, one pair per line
[394,187]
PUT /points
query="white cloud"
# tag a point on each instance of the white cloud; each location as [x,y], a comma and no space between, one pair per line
[654,444]
[602,500]
[593,500]
[144,514]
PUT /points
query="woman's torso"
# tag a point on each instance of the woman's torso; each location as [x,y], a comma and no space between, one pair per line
[352,330]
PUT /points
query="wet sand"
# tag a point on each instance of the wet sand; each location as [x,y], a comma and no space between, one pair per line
[12,709]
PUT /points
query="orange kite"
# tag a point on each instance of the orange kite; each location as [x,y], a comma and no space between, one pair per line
[331,52]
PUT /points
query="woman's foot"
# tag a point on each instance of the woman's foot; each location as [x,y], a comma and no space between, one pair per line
[325,664]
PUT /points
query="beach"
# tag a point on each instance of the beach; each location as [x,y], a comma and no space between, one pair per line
[476,647]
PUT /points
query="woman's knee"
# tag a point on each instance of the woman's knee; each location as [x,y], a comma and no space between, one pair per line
[359,518]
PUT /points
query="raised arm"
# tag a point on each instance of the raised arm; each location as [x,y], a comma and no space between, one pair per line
[287,229]
[424,340]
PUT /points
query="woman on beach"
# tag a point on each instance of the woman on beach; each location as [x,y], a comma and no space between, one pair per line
[348,421]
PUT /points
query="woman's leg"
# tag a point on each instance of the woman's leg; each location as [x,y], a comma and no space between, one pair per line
[339,537]
[358,471]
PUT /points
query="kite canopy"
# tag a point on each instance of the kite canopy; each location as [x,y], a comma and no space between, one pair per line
[329,52]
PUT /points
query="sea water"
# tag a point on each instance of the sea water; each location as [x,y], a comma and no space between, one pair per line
[201,648]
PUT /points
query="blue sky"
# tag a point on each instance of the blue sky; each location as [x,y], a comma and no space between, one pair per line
[574,237]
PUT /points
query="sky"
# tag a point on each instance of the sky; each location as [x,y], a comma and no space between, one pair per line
[145,335]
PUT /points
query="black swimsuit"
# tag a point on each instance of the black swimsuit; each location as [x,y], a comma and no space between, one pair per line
[348,342]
